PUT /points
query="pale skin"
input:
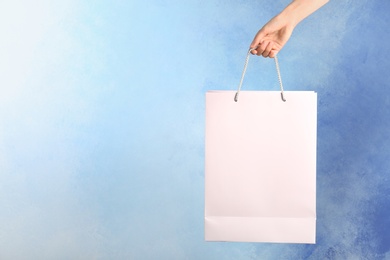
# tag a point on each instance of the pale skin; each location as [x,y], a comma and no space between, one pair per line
[275,34]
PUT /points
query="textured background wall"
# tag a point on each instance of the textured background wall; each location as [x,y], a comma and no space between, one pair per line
[102,124]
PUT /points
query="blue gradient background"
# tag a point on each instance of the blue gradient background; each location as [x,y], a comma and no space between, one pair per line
[102,124]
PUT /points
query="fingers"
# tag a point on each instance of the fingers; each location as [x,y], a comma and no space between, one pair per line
[260,46]
[257,40]
[265,49]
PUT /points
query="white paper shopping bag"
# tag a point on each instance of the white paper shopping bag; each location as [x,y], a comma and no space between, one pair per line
[260,167]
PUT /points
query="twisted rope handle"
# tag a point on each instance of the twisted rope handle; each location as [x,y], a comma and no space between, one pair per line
[244,71]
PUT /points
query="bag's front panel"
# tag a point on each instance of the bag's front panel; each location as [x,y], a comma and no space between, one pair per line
[260,164]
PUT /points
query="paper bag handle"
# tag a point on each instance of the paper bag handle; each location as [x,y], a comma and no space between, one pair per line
[243,75]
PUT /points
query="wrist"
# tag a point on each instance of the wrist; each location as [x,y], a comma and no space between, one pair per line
[287,18]
[292,14]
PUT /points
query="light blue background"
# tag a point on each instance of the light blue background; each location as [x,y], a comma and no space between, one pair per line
[102,124]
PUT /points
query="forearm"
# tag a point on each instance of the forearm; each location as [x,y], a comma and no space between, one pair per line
[298,10]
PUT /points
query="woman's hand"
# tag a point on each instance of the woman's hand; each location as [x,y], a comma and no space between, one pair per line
[272,37]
